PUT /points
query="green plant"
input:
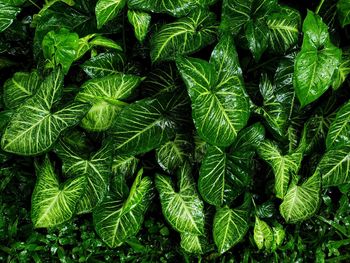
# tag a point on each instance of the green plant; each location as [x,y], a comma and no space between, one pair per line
[206,129]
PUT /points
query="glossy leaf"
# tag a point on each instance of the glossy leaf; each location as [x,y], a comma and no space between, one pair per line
[193,243]
[19,88]
[34,127]
[116,219]
[106,10]
[54,203]
[235,13]
[302,201]
[343,10]
[220,106]
[257,34]
[339,131]
[96,169]
[342,71]
[106,95]
[183,209]
[263,234]
[124,165]
[334,166]
[141,23]
[229,227]
[184,36]
[283,166]
[8,13]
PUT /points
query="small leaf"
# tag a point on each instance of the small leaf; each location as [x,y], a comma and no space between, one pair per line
[343,10]
[141,22]
[278,236]
[106,10]
[229,227]
[184,36]
[334,166]
[52,203]
[342,71]
[257,34]
[183,209]
[302,202]
[263,234]
[339,131]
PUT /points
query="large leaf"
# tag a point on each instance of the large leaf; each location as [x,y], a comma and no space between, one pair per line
[334,166]
[283,27]
[316,62]
[19,88]
[183,209]
[343,10]
[143,126]
[302,201]
[263,234]
[9,11]
[117,220]
[283,166]
[229,227]
[54,203]
[184,36]
[339,131]
[34,127]
[96,169]
[235,13]
[141,22]
[106,96]
[124,165]
[193,243]
[257,34]
[176,8]
[220,107]
[106,10]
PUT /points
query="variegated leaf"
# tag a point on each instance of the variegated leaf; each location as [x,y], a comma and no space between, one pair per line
[263,234]
[141,22]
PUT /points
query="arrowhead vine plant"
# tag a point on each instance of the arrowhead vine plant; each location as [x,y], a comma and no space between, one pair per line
[174,131]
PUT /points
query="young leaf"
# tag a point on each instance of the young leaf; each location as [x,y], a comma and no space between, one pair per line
[316,62]
[278,236]
[34,128]
[343,10]
[193,243]
[220,106]
[183,209]
[184,36]
[106,10]
[106,96]
[339,131]
[141,22]
[115,220]
[302,202]
[283,166]
[19,88]
[263,234]
[54,203]
[96,169]
[334,166]
[229,227]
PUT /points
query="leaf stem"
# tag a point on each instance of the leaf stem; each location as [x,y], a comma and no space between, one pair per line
[319,7]
[33,3]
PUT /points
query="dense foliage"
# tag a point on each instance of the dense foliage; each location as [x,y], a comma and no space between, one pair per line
[174,131]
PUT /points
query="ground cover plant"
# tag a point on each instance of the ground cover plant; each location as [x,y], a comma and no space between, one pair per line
[174,131]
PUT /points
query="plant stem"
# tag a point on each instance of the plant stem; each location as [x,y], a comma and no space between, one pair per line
[319,7]
[34,4]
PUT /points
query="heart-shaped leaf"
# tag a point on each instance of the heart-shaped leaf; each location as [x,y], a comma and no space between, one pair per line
[141,22]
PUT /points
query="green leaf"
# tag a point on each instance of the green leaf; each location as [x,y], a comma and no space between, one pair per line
[141,23]
[124,165]
[339,131]
[334,166]
[278,236]
[106,10]
[235,14]
[302,202]
[343,10]
[193,243]
[316,62]
[8,13]
[183,209]
[34,127]
[19,88]
[184,36]
[54,203]
[257,34]
[283,27]
[220,106]
[96,169]
[61,48]
[283,166]
[143,125]
[342,72]
[177,8]
[106,95]
[229,227]
[104,64]
[263,234]
[116,221]
[174,153]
